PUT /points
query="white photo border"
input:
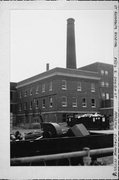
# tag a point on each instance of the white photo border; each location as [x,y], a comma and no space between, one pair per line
[7,172]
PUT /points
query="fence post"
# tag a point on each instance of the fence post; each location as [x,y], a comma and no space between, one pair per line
[87,158]
[44,162]
[69,161]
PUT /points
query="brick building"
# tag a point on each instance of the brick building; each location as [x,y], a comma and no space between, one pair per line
[57,93]
[13,97]
[13,103]
[60,92]
[105,71]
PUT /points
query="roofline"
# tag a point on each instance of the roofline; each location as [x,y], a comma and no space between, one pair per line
[95,63]
[13,82]
[102,63]
[57,72]
[95,72]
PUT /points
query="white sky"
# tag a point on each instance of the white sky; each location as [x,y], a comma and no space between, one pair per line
[39,37]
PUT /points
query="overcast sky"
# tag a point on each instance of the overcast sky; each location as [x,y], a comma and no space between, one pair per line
[39,37]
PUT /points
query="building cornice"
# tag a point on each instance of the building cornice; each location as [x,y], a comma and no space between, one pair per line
[59,72]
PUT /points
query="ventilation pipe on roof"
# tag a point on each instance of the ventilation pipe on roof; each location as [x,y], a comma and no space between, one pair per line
[47,67]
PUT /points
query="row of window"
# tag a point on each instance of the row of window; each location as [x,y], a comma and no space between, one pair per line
[37,90]
[104,84]
[104,72]
[79,86]
[74,102]
[36,104]
[63,87]
[105,96]
[64,103]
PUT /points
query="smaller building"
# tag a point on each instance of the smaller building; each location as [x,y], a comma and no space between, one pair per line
[105,71]
[13,103]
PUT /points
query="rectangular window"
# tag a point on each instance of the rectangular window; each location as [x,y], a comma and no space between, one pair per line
[102,72]
[43,87]
[64,84]
[64,101]
[50,86]
[36,104]
[84,103]
[43,103]
[107,84]
[25,106]
[106,72]
[25,93]
[102,84]
[78,86]
[93,103]
[74,102]
[107,96]
[92,87]
[103,95]
[37,90]
[31,105]
[51,102]
[31,92]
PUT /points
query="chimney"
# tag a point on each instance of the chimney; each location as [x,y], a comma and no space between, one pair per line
[71,52]
[47,67]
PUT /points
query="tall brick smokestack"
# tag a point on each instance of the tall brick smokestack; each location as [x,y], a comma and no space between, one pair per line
[71,51]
